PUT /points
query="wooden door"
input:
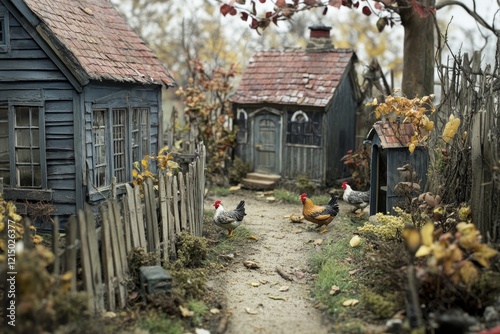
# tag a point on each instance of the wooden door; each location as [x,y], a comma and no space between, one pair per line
[267,144]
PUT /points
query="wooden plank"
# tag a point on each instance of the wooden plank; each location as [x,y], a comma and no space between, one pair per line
[140,218]
[148,224]
[94,260]
[175,205]
[85,258]
[55,246]
[117,260]
[163,213]
[132,216]
[193,200]
[182,195]
[170,216]
[107,259]
[71,248]
[126,224]
[154,218]
[121,237]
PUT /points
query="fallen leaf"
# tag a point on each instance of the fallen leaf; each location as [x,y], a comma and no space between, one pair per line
[214,311]
[284,288]
[185,312]
[251,264]
[255,284]
[355,241]
[263,281]
[109,314]
[277,298]
[253,237]
[350,302]
[250,311]
[352,272]
[318,241]
[334,290]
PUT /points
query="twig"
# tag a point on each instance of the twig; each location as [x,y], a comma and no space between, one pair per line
[285,276]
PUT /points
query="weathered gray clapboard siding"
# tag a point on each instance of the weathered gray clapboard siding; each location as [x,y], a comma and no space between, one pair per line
[303,161]
[28,74]
[340,131]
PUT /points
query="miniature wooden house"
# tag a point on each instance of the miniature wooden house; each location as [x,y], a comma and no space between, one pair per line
[296,110]
[80,100]
[395,172]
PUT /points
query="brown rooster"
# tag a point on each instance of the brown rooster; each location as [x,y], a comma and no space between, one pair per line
[321,215]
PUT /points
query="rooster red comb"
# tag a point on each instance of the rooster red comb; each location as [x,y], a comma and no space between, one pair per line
[217,203]
[304,195]
[344,185]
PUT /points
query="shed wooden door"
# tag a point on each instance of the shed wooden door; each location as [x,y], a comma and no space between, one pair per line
[267,144]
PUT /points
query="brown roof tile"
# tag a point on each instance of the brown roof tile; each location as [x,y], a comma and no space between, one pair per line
[311,76]
[101,41]
[393,134]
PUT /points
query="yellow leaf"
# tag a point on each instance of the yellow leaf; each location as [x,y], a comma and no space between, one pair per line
[450,128]
[135,173]
[355,241]
[163,150]
[144,162]
[427,234]
[350,302]
[468,273]
[185,312]
[423,251]
[483,254]
[412,237]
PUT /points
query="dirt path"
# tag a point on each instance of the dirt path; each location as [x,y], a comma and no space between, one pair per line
[261,300]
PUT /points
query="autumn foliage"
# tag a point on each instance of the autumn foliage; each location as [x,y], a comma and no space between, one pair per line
[209,113]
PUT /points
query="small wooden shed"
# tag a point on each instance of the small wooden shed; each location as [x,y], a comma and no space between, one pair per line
[392,163]
[296,110]
[80,101]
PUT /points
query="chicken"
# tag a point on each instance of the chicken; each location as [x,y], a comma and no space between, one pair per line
[358,199]
[321,215]
[229,219]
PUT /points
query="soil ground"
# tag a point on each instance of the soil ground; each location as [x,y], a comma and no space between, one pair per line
[263,300]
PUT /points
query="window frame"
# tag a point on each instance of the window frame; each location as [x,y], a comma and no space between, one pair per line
[128,149]
[316,135]
[5,31]
[242,136]
[13,190]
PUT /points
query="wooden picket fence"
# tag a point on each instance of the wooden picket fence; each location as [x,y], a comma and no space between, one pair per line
[149,217]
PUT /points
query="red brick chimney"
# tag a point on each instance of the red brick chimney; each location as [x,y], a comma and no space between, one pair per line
[319,39]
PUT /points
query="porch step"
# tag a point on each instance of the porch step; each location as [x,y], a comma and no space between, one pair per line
[258,181]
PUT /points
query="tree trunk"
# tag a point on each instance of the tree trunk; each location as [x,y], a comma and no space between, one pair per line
[418,52]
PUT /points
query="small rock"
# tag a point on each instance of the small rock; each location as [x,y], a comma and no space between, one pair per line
[251,264]
[491,314]
[201,331]
[394,326]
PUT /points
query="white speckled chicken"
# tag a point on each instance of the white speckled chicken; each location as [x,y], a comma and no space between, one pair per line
[358,199]
[229,219]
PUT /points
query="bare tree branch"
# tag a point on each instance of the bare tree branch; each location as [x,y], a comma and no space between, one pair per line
[471,12]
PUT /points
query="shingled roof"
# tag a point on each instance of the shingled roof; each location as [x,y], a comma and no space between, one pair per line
[293,76]
[392,134]
[98,40]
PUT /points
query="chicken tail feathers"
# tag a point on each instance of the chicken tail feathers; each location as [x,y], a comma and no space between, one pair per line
[333,205]
[240,210]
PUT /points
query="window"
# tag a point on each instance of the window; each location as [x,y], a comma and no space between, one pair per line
[100,156]
[22,147]
[119,161]
[140,133]
[120,137]
[242,126]
[4,30]
[304,128]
